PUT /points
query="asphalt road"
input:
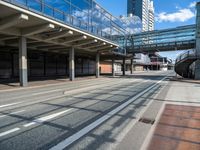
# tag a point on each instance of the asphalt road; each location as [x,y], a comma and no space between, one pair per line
[85,114]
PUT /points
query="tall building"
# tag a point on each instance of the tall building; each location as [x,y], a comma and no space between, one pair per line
[144,9]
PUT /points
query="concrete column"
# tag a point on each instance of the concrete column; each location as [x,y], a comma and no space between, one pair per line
[23,72]
[197,63]
[113,67]
[131,66]
[97,65]
[124,66]
[71,65]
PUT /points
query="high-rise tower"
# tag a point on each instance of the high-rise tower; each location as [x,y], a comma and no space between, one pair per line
[144,9]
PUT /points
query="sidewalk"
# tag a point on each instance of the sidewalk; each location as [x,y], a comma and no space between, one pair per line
[171,121]
[178,127]
[42,82]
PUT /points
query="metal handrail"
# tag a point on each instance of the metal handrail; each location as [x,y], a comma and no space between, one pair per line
[185,55]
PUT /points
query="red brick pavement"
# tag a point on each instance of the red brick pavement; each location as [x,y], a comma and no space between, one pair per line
[177,129]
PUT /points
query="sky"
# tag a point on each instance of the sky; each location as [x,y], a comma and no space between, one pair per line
[168,14]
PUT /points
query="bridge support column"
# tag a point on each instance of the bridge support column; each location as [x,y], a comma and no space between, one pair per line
[97,65]
[131,66]
[124,66]
[23,70]
[113,67]
[71,65]
[197,63]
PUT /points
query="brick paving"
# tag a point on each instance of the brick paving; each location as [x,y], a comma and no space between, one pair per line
[177,129]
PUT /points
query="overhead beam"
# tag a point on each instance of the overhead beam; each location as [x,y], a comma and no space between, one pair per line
[60,35]
[37,29]
[86,42]
[108,47]
[38,44]
[73,39]
[12,42]
[93,46]
[60,49]
[12,20]
[49,47]
[3,38]
[57,48]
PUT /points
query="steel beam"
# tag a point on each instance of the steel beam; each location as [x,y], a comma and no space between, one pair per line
[13,20]
[37,29]
[75,38]
[60,35]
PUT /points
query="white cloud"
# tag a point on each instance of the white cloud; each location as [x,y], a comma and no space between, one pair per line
[181,15]
[192,5]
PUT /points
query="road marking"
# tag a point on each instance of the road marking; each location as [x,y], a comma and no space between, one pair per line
[9,131]
[65,143]
[11,104]
[43,119]
[61,89]
[45,92]
[17,112]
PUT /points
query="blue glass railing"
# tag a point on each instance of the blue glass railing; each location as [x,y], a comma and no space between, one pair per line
[39,6]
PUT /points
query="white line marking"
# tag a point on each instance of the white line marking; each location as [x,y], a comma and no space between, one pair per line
[45,92]
[2,106]
[17,112]
[43,119]
[63,144]
[9,131]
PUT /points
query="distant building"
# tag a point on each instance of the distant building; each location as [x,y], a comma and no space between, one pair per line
[131,23]
[141,62]
[160,63]
[144,9]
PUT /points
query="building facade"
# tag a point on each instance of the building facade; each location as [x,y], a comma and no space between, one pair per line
[144,9]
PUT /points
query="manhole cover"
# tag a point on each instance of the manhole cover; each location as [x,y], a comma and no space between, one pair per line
[147,120]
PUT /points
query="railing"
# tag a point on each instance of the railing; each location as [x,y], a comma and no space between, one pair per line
[188,54]
[40,7]
[166,43]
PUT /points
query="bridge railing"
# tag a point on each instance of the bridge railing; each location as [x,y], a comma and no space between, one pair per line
[188,54]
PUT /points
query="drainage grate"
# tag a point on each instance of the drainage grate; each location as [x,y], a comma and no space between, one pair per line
[147,121]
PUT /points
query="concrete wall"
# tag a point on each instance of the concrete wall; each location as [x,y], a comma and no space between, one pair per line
[43,64]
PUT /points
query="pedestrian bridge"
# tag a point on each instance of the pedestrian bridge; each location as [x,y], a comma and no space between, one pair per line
[179,38]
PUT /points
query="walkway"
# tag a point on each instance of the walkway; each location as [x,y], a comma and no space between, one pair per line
[174,128]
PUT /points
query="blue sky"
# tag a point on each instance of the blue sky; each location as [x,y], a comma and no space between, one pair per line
[168,14]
